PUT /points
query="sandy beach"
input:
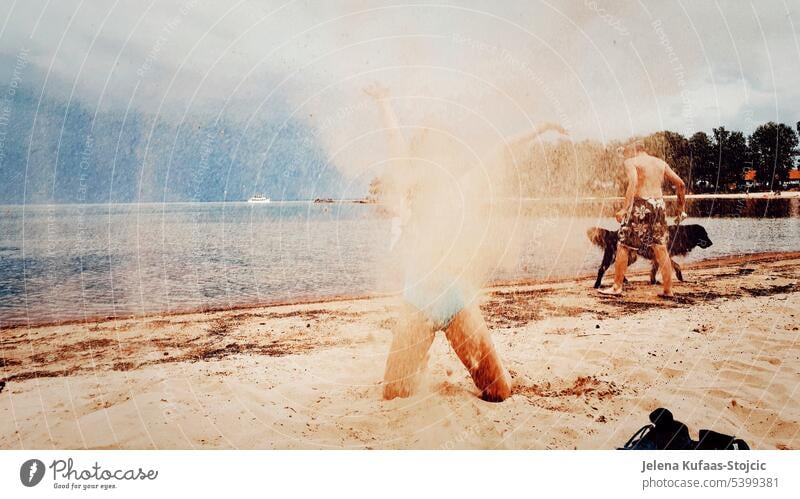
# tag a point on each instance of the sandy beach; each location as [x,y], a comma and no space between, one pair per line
[587,369]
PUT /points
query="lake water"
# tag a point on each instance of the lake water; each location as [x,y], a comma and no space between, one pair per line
[65,262]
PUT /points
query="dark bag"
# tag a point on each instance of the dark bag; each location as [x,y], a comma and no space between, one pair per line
[665,433]
[711,440]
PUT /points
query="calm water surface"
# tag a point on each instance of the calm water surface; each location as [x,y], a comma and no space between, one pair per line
[75,261]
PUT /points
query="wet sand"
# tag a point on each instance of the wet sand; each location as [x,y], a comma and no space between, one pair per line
[724,355]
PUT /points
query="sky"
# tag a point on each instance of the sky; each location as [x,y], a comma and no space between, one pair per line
[482,70]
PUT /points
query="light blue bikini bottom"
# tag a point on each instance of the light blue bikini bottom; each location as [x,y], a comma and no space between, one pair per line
[439,299]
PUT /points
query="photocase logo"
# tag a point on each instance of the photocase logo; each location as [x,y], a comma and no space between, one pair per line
[31,472]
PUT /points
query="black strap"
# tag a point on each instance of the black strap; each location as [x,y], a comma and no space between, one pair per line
[638,435]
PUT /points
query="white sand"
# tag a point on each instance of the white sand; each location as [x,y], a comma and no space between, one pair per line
[588,370]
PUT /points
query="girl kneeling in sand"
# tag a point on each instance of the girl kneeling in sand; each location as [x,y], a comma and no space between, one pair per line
[439,291]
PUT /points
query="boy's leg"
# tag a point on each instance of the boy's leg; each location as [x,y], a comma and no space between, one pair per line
[664,262]
[472,342]
[413,336]
[620,266]
[653,270]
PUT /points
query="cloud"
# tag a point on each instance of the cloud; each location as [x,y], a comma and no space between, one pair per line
[607,69]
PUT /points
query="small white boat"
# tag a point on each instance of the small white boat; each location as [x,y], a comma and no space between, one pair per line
[258,198]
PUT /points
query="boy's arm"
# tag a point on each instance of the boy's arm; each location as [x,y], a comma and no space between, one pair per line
[632,179]
[680,190]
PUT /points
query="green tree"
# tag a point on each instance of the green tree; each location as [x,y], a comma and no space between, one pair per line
[673,148]
[731,153]
[773,147]
[703,169]
[678,154]
[797,125]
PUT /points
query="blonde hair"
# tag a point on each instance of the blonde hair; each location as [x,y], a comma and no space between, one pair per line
[632,147]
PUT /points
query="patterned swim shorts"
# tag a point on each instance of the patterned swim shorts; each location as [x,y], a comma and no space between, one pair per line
[645,224]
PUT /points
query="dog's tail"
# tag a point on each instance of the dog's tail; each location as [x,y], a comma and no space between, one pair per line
[597,236]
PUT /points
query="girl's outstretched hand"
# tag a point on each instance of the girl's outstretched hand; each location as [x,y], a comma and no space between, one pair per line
[376,91]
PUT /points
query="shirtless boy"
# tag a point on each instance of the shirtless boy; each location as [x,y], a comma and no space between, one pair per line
[643,214]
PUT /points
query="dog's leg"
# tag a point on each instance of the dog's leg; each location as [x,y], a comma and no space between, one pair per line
[653,270]
[608,259]
[600,273]
[677,270]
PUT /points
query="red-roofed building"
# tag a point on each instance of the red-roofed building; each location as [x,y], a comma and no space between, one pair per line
[749,178]
[794,178]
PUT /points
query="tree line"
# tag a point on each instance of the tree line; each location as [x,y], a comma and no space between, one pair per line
[719,162]
[715,162]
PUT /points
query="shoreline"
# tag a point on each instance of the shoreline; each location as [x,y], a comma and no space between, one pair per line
[735,195]
[311,300]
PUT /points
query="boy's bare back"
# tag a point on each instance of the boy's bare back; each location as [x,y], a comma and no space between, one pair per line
[648,173]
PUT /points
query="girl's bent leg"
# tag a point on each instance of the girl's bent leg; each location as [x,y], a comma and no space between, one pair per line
[408,355]
[472,342]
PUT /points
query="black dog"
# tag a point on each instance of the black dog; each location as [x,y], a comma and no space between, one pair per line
[682,240]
